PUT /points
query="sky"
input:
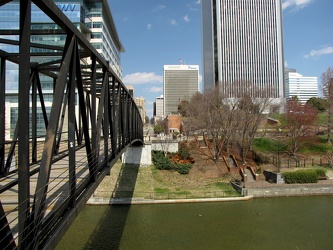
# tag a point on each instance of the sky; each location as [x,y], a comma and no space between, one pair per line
[155,33]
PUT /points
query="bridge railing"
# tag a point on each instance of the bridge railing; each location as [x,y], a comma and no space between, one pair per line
[88,125]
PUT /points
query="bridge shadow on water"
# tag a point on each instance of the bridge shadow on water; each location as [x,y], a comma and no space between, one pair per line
[112,223]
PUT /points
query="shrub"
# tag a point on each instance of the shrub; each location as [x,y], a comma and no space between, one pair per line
[184,153]
[165,163]
[161,162]
[183,168]
[301,176]
[320,172]
[261,158]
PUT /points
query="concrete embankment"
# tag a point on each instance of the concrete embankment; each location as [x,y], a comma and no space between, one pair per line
[291,190]
[128,201]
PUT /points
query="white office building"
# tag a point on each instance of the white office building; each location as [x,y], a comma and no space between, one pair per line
[159,109]
[303,87]
[243,47]
[181,82]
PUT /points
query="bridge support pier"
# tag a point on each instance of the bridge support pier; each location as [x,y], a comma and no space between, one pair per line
[138,155]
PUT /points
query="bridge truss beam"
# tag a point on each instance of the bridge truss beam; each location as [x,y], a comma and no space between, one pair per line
[92,120]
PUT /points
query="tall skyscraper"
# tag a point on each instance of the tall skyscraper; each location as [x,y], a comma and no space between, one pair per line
[243,47]
[303,87]
[181,82]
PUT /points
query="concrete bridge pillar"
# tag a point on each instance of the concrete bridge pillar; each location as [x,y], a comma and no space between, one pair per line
[138,155]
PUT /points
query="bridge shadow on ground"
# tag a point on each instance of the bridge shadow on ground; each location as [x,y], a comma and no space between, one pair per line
[112,224]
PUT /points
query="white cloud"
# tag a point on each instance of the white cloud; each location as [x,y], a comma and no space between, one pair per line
[155,89]
[295,4]
[323,51]
[173,22]
[142,77]
[160,7]
[198,2]
[149,26]
[186,18]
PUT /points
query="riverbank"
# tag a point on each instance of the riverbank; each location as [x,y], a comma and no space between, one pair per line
[133,184]
[132,201]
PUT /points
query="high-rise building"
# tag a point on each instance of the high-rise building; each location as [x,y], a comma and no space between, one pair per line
[181,82]
[141,103]
[243,47]
[92,18]
[302,87]
[159,109]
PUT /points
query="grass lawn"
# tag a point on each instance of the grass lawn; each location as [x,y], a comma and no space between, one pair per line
[149,183]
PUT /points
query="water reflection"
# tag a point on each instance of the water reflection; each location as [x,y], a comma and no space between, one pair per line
[270,223]
[112,221]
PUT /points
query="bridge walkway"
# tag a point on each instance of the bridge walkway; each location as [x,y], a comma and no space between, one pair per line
[58,186]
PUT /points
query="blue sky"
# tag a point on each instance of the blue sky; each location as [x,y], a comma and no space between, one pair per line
[160,32]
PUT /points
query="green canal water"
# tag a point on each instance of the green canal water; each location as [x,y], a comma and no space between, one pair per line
[268,223]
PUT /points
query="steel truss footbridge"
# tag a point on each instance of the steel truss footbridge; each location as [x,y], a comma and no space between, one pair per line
[46,180]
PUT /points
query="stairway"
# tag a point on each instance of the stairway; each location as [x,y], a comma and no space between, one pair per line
[250,177]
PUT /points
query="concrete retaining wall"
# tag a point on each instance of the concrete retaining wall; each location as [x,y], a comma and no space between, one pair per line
[290,191]
[142,154]
[274,177]
[169,145]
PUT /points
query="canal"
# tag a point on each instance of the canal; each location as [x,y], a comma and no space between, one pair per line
[267,223]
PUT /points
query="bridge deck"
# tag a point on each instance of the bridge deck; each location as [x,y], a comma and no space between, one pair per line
[90,106]
[58,187]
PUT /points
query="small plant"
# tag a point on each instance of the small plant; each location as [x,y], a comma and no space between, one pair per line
[259,171]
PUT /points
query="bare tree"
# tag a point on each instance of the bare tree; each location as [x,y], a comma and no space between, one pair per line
[225,120]
[327,83]
[250,115]
[205,113]
[300,120]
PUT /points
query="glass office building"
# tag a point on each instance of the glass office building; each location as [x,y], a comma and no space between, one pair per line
[92,17]
[243,47]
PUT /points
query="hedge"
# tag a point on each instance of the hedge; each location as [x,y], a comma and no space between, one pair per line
[304,176]
[320,172]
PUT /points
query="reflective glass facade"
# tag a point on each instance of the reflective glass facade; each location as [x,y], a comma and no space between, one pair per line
[92,18]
